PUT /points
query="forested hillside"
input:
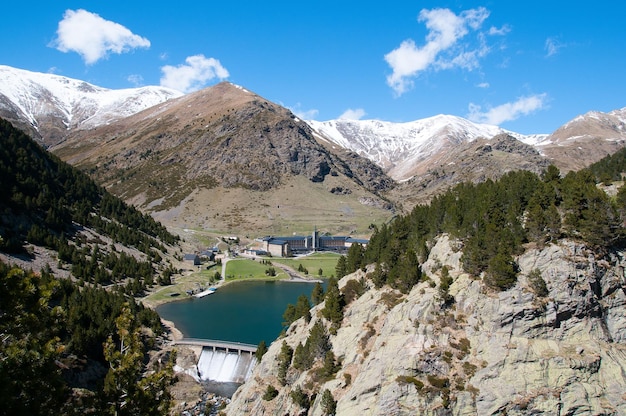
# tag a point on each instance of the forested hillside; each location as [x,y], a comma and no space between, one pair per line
[494,220]
[47,202]
[68,345]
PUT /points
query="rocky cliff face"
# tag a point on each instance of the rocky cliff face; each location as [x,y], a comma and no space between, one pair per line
[512,352]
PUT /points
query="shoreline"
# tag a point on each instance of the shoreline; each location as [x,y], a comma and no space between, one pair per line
[153,304]
[175,334]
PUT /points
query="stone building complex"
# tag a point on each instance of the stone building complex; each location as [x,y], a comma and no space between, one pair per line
[298,244]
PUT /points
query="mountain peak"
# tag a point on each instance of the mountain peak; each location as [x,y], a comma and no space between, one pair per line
[400,147]
[47,106]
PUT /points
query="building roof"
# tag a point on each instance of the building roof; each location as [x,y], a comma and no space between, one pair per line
[277,241]
[334,238]
[357,240]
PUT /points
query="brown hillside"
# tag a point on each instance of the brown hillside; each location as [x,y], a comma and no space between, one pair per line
[220,138]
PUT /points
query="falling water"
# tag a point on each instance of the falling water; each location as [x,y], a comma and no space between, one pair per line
[222,366]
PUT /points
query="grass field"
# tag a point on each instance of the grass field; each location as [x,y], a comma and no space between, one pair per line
[181,284]
[325,261]
[242,268]
[247,269]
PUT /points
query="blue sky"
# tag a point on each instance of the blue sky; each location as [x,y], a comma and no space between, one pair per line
[528,66]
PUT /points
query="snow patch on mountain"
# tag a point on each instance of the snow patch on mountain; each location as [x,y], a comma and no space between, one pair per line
[78,103]
[399,147]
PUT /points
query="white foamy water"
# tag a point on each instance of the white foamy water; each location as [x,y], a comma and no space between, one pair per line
[223,366]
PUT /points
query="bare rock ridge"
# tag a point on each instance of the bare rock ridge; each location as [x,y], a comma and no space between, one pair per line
[513,352]
[474,161]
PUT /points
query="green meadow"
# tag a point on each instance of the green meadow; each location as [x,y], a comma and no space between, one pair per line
[325,261]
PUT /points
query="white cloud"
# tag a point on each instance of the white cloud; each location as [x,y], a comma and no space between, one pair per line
[93,37]
[135,79]
[193,74]
[441,50]
[302,114]
[508,111]
[552,46]
[500,31]
[483,85]
[353,114]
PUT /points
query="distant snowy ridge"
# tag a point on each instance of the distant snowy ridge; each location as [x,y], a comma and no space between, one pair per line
[39,96]
[399,147]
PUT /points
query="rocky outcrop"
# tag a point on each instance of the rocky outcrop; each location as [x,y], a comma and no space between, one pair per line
[512,352]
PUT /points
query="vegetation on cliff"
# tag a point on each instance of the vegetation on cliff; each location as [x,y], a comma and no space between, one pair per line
[494,220]
[490,226]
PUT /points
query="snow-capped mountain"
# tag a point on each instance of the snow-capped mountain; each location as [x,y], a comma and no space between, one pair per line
[49,105]
[407,149]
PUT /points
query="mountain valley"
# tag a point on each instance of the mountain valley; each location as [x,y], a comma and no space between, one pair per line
[493,281]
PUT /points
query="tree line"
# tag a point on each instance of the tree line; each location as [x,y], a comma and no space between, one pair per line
[46,199]
[494,220]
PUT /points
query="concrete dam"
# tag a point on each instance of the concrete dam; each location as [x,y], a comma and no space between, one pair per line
[224,362]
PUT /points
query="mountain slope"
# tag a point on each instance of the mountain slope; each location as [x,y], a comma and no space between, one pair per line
[222,137]
[51,204]
[504,297]
[586,139]
[408,149]
[474,161]
[511,352]
[48,106]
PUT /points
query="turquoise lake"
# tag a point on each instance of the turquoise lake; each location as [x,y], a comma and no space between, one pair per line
[245,312]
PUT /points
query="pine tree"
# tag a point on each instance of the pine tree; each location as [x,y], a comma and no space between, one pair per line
[355,258]
[30,380]
[317,295]
[341,267]
[261,349]
[303,308]
[330,367]
[284,361]
[126,392]
[302,359]
[501,273]
[300,398]
[328,403]
[333,306]
[378,276]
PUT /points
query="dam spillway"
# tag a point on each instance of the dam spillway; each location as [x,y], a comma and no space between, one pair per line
[228,366]
[223,361]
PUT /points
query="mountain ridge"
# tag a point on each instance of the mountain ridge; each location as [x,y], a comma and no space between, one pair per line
[49,105]
[226,136]
[406,150]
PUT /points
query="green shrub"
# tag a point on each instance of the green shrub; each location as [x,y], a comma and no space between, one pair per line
[270,393]
[419,385]
[537,284]
[437,382]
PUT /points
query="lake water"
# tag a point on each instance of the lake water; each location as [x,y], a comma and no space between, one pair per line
[245,312]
